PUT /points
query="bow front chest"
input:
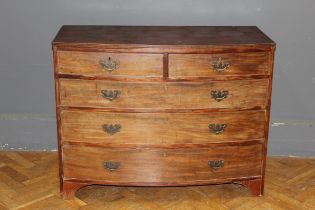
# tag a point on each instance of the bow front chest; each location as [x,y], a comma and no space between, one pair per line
[162,106]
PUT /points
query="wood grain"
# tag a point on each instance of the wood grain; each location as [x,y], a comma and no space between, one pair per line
[271,66]
[58,126]
[161,35]
[164,105]
[130,64]
[153,49]
[255,186]
[201,65]
[155,95]
[161,128]
[172,166]
[163,39]
[214,77]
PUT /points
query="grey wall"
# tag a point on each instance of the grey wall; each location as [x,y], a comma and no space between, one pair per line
[26,75]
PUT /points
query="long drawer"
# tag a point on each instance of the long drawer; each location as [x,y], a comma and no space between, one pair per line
[129,65]
[229,64]
[161,128]
[161,166]
[164,95]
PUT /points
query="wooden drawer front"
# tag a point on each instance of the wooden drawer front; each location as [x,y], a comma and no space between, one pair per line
[179,95]
[127,64]
[161,128]
[207,65]
[169,166]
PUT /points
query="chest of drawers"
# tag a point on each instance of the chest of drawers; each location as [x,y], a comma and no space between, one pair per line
[162,106]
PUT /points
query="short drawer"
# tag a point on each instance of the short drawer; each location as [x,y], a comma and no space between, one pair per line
[161,166]
[156,95]
[104,128]
[110,64]
[211,65]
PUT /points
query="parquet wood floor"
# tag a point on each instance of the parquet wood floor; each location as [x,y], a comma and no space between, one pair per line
[29,180]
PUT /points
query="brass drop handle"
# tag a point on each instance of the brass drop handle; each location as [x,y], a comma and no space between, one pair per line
[109,64]
[216,164]
[220,66]
[217,128]
[111,94]
[219,95]
[112,166]
[111,129]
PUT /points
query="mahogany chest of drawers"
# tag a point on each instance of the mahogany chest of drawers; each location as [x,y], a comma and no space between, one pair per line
[162,106]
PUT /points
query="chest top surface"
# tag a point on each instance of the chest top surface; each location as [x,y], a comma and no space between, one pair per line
[161,35]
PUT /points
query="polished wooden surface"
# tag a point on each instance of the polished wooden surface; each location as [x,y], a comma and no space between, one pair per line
[161,128]
[156,95]
[30,181]
[129,64]
[175,84]
[161,35]
[163,39]
[150,167]
[201,65]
